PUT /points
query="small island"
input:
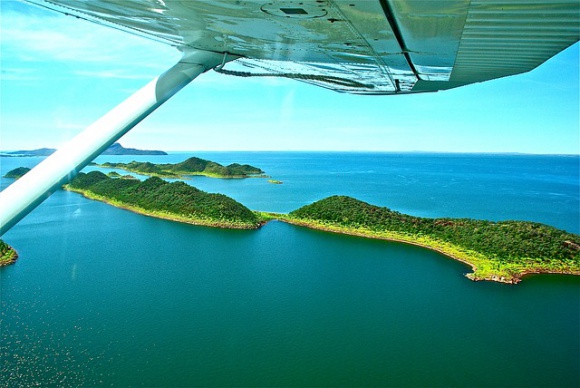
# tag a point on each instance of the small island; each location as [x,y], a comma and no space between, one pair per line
[7,254]
[191,166]
[175,201]
[499,251]
[17,173]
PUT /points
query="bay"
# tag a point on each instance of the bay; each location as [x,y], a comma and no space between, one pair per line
[102,296]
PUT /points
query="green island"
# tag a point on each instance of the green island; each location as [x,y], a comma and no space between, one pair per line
[7,254]
[191,166]
[175,201]
[16,173]
[499,251]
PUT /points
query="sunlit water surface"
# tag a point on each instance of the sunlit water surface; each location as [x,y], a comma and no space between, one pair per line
[102,296]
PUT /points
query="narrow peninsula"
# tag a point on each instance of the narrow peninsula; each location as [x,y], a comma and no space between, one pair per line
[191,166]
[499,251]
[175,201]
[7,254]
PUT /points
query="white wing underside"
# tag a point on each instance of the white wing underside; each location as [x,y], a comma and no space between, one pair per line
[368,47]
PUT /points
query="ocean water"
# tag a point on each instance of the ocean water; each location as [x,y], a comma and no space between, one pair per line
[102,296]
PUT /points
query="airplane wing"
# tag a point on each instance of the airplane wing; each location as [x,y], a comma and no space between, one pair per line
[356,46]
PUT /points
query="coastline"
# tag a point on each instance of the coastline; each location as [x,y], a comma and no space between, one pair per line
[164,215]
[483,268]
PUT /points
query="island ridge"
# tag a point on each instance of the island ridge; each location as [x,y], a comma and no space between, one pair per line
[191,166]
[500,251]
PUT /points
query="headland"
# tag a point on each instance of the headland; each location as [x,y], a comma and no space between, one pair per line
[499,251]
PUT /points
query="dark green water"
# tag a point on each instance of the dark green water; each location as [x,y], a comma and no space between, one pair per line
[102,296]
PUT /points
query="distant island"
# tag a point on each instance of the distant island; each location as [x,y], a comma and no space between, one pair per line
[27,153]
[16,173]
[175,201]
[118,149]
[191,166]
[115,149]
[7,254]
[499,251]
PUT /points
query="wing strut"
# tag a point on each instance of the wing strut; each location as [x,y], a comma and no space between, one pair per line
[18,199]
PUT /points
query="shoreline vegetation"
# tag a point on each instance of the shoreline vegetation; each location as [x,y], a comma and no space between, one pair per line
[175,201]
[191,166]
[498,251]
[7,254]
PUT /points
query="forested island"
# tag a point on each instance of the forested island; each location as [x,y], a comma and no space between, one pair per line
[191,166]
[7,254]
[175,201]
[500,251]
[17,173]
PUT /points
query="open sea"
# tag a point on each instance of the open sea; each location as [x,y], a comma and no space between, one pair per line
[104,297]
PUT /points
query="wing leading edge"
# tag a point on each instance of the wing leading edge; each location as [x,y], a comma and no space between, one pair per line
[366,47]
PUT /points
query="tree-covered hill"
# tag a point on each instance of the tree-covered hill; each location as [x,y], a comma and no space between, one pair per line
[16,173]
[505,249]
[176,201]
[191,166]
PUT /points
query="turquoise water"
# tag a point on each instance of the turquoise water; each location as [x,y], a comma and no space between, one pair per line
[102,296]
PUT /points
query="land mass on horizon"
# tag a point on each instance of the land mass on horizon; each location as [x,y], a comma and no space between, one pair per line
[115,149]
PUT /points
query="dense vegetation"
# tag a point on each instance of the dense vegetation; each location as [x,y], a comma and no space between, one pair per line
[191,166]
[505,249]
[176,201]
[7,254]
[17,172]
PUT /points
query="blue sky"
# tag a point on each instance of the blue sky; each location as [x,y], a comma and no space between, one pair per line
[59,74]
